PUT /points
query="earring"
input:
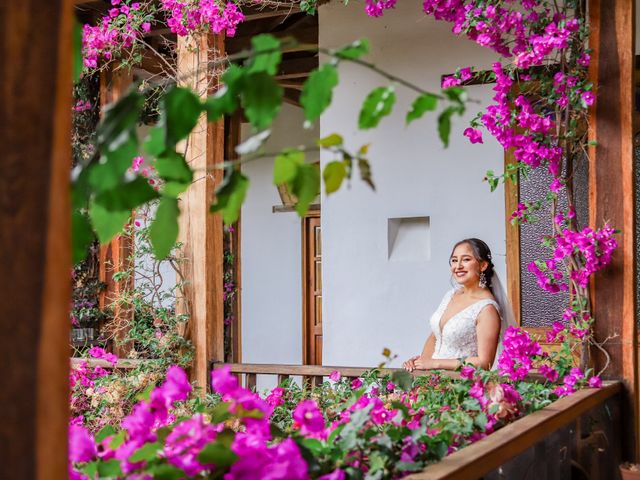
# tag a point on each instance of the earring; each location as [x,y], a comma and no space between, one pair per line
[483,280]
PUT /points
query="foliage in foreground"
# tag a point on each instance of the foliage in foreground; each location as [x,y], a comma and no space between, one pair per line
[374,427]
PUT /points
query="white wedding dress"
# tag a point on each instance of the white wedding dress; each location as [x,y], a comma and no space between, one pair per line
[458,338]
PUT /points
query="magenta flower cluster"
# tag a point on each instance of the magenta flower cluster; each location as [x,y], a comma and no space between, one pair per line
[186,17]
[593,249]
[117,31]
[127,22]
[518,353]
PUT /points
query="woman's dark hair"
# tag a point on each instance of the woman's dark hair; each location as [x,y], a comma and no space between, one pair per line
[482,252]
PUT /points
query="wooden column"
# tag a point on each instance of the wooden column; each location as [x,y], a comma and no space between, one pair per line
[611,198]
[35,256]
[201,232]
[115,256]
[232,127]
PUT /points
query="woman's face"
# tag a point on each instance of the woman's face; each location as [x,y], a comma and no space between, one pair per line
[465,268]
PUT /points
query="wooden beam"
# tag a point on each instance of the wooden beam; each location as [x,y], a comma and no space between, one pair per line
[611,198]
[305,36]
[201,233]
[296,67]
[257,13]
[484,456]
[116,256]
[35,260]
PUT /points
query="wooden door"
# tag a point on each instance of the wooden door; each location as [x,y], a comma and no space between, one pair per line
[312,290]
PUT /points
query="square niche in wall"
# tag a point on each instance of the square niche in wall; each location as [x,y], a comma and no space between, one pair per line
[409,239]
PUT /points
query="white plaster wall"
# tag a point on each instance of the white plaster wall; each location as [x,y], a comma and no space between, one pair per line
[371,302]
[271,255]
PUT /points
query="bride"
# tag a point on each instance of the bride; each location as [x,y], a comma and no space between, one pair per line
[471,319]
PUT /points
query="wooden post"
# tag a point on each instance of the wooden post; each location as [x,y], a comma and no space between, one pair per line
[35,256]
[115,256]
[611,198]
[201,232]
[232,128]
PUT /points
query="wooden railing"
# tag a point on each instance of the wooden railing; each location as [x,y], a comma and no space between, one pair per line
[311,374]
[491,454]
[506,453]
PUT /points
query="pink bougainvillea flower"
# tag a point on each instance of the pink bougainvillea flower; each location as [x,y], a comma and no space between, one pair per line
[474,135]
[335,376]
[82,446]
[223,382]
[186,441]
[588,98]
[467,372]
[548,372]
[337,474]
[309,418]
[275,398]
[595,382]
[356,383]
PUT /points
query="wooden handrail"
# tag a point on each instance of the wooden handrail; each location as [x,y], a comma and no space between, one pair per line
[501,446]
[124,363]
[302,370]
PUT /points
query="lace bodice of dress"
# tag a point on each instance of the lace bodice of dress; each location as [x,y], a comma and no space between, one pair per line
[458,337]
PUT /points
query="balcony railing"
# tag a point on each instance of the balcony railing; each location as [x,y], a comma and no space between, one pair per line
[578,433]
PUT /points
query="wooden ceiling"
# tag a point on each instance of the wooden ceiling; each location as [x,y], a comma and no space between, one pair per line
[283,22]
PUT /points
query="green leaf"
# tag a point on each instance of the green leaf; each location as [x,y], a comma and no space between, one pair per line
[114,163]
[230,196]
[220,413]
[402,379]
[426,102]
[147,452]
[127,196]
[109,469]
[225,100]
[266,54]
[90,469]
[261,99]
[105,432]
[172,166]
[119,119]
[77,50]
[117,440]
[333,174]
[365,172]
[154,144]
[285,166]
[317,91]
[314,445]
[481,421]
[107,223]
[409,466]
[82,235]
[164,229]
[306,187]
[182,109]
[217,454]
[166,472]
[444,124]
[355,50]
[333,140]
[174,189]
[377,105]
[456,94]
